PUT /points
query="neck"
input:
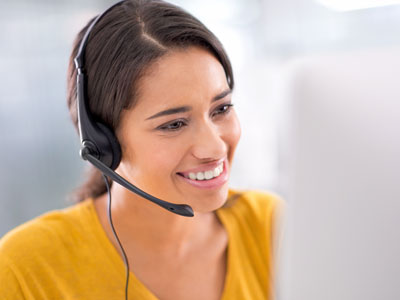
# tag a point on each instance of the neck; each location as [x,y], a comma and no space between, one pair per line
[144,226]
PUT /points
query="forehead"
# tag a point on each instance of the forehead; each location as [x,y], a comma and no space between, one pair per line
[180,77]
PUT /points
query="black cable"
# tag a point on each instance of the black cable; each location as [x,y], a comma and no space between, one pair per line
[116,237]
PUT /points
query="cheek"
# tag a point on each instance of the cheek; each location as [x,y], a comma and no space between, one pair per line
[159,157]
[162,158]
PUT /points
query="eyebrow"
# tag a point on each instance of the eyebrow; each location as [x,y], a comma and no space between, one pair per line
[182,109]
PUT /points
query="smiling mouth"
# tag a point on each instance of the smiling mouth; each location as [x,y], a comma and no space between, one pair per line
[206,175]
[211,179]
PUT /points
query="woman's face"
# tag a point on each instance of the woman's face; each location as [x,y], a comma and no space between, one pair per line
[179,139]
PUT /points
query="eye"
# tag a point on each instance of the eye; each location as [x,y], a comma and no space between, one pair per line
[223,109]
[174,126]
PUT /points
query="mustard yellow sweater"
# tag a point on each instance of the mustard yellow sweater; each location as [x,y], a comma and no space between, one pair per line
[65,254]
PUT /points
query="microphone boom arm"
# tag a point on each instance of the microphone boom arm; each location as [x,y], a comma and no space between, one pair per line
[180,209]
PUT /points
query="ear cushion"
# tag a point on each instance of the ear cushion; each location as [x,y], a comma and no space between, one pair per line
[111,151]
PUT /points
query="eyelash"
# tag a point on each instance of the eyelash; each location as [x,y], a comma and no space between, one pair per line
[226,109]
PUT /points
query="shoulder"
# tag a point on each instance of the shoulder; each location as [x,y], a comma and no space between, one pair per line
[256,217]
[255,214]
[41,234]
[41,258]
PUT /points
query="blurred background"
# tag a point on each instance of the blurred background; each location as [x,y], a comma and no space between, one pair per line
[318,98]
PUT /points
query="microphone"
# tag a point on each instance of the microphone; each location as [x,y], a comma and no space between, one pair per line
[180,209]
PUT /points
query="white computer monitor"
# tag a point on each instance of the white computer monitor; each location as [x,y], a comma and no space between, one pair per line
[340,174]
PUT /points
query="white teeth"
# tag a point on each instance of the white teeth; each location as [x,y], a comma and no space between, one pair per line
[207,175]
[200,176]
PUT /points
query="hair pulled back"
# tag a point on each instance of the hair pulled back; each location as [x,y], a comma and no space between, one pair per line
[121,46]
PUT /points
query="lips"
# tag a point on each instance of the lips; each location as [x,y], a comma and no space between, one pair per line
[215,182]
[203,168]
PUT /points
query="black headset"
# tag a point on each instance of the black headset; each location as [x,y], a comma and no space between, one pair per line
[99,145]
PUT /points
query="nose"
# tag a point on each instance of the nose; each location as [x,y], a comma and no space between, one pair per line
[208,143]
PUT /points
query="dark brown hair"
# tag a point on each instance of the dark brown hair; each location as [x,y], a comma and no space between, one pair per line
[121,47]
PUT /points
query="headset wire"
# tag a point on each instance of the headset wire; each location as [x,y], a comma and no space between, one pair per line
[116,236]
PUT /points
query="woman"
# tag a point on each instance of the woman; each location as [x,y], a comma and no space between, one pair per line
[162,83]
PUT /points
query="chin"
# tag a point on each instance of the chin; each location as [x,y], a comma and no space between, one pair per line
[211,202]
